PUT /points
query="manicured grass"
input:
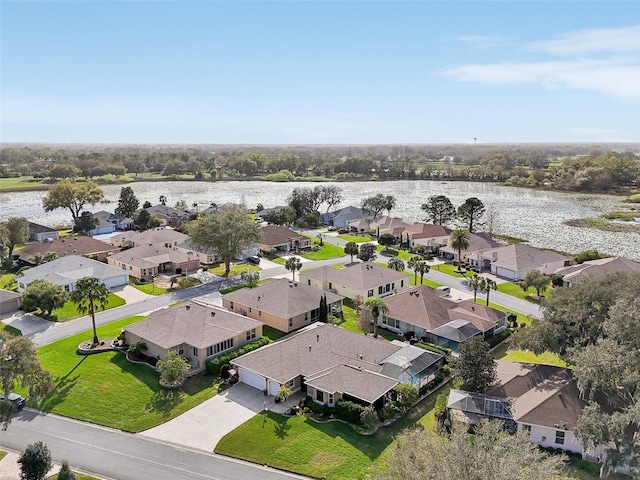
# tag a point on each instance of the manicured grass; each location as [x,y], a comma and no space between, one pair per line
[106,389]
[515,291]
[334,451]
[338,266]
[525,356]
[79,476]
[410,274]
[384,254]
[272,333]
[2,454]
[356,238]
[6,279]
[236,269]
[10,330]
[449,270]
[69,310]
[20,182]
[349,315]
[326,252]
[149,288]
[279,260]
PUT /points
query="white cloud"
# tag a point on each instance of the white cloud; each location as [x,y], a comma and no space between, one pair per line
[618,40]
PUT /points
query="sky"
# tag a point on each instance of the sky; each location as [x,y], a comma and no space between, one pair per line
[319,72]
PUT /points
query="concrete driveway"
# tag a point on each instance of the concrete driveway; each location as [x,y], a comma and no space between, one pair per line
[28,323]
[203,426]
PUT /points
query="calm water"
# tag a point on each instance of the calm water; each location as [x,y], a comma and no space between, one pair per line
[534,215]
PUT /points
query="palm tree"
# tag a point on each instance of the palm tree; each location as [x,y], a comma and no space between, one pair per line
[475,282]
[396,264]
[422,268]
[374,307]
[460,240]
[90,294]
[250,277]
[413,261]
[293,264]
[351,248]
[487,285]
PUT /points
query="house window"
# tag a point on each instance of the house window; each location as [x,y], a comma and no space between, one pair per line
[180,350]
[330,285]
[330,399]
[209,351]
[66,288]
[560,437]
[380,290]
[393,286]
[391,322]
[370,293]
[251,334]
[194,351]
[220,347]
[320,396]
[291,383]
[401,283]
[306,317]
[308,282]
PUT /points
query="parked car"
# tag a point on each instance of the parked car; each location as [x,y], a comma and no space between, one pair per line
[253,260]
[446,290]
[343,230]
[16,399]
[332,228]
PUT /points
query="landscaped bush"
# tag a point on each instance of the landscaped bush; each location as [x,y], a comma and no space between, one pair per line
[188,282]
[433,383]
[496,339]
[224,371]
[390,410]
[318,408]
[231,289]
[444,351]
[349,411]
[215,364]
[440,409]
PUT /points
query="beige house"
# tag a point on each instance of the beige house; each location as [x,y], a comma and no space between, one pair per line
[329,363]
[145,262]
[157,237]
[281,304]
[194,330]
[282,239]
[477,242]
[583,272]
[84,246]
[364,279]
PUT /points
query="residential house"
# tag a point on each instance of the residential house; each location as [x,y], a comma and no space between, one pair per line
[432,236]
[340,218]
[40,233]
[282,239]
[157,237]
[194,330]
[477,242]
[363,278]
[207,257]
[329,363]
[110,222]
[85,246]
[146,261]
[281,304]
[166,215]
[382,224]
[67,270]
[540,399]
[583,272]
[9,301]
[435,319]
[515,261]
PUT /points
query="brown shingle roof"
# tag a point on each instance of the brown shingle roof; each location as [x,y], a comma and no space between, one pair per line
[520,256]
[274,235]
[360,276]
[594,268]
[192,323]
[152,236]
[83,246]
[147,256]
[282,298]
[355,381]
[425,307]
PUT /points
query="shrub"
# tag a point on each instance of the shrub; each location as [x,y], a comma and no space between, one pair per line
[368,416]
[231,289]
[188,282]
[556,280]
[390,410]
[444,351]
[349,411]
[318,408]
[214,364]
[496,339]
[224,371]
[440,409]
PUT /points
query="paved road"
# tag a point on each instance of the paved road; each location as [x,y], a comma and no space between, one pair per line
[124,456]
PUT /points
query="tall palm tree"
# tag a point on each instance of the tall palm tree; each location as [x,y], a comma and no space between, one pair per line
[351,248]
[475,282]
[422,268]
[460,240]
[374,307]
[413,261]
[250,277]
[396,264]
[89,295]
[293,264]
[487,285]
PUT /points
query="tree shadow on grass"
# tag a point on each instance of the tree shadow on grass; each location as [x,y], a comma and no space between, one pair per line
[281,427]
[63,386]
[144,373]
[164,401]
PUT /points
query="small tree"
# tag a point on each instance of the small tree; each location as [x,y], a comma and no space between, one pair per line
[351,248]
[65,472]
[487,284]
[42,295]
[369,417]
[293,264]
[396,264]
[413,264]
[127,203]
[35,462]
[85,223]
[250,277]
[374,307]
[284,393]
[537,280]
[407,395]
[476,366]
[172,367]
[323,309]
[475,282]
[387,239]
[367,252]
[460,240]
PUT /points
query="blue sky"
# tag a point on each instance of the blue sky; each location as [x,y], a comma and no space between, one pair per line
[320,72]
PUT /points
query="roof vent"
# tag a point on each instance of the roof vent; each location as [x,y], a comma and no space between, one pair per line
[309,347]
[188,307]
[317,338]
[361,356]
[213,314]
[473,308]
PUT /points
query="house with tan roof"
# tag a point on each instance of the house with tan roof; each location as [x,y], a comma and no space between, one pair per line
[157,237]
[427,235]
[365,279]
[194,330]
[515,261]
[84,246]
[435,319]
[329,363]
[282,239]
[281,304]
[146,261]
[539,399]
[583,272]
[477,242]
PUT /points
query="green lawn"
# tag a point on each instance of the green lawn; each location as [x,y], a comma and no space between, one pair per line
[326,252]
[235,269]
[272,333]
[11,330]
[20,182]
[449,270]
[386,254]
[106,389]
[2,454]
[149,288]
[350,323]
[6,279]
[356,238]
[330,450]
[515,291]
[425,281]
[278,260]
[79,476]
[69,310]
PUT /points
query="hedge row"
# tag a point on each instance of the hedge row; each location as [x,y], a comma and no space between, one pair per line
[214,364]
[496,339]
[444,351]
[344,410]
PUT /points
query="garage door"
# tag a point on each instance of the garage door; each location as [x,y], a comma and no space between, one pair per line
[273,388]
[115,281]
[503,272]
[252,379]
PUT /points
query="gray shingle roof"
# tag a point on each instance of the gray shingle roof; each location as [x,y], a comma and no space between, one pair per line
[274,235]
[599,267]
[66,246]
[69,269]
[192,323]
[520,257]
[360,276]
[355,381]
[153,236]
[147,256]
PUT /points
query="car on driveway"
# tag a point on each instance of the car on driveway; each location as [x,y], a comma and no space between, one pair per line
[343,230]
[253,260]
[16,399]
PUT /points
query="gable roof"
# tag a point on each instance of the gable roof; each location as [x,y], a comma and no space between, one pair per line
[477,241]
[164,210]
[66,246]
[359,276]
[425,307]
[148,256]
[37,228]
[107,218]
[425,230]
[355,381]
[151,236]
[273,235]
[193,323]
[8,295]
[282,298]
[594,268]
[520,257]
[68,269]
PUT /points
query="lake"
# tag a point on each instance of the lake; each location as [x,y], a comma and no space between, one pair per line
[534,215]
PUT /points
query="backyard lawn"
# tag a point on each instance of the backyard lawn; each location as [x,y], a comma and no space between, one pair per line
[515,291]
[69,310]
[236,269]
[325,252]
[106,389]
[11,330]
[425,281]
[149,288]
[350,323]
[6,279]
[356,238]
